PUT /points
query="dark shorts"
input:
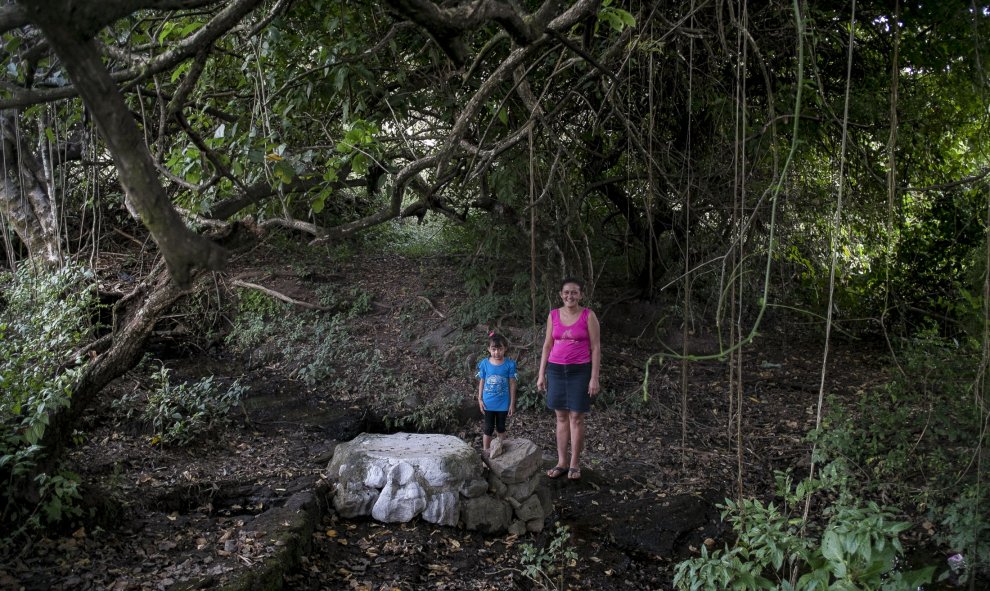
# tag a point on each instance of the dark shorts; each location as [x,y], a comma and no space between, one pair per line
[567,387]
[495,421]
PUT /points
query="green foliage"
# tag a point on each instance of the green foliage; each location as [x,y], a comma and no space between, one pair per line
[913,437]
[255,310]
[183,413]
[352,302]
[616,18]
[432,236]
[494,295]
[316,348]
[320,349]
[484,309]
[545,565]
[44,317]
[437,414]
[966,525]
[857,549]
[913,441]
[527,396]
[61,492]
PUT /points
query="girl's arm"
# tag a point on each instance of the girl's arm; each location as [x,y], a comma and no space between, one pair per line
[481,391]
[512,396]
[541,380]
[595,342]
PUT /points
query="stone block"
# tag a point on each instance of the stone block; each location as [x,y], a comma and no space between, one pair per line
[530,509]
[523,490]
[402,498]
[474,488]
[520,459]
[486,514]
[354,503]
[395,478]
[517,528]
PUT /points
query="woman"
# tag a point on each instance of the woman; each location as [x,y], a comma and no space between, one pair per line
[569,370]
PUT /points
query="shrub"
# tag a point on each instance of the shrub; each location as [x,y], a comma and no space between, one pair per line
[435,415]
[913,441]
[183,413]
[545,566]
[255,312]
[44,318]
[857,549]
[966,526]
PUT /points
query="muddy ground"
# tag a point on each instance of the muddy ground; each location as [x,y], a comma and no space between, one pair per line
[182,517]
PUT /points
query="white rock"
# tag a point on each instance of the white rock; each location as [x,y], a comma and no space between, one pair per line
[402,499]
[375,477]
[442,509]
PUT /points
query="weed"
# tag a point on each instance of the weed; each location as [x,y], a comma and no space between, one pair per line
[43,319]
[408,413]
[966,525]
[858,548]
[353,302]
[180,414]
[545,566]
[912,440]
[255,314]
[528,397]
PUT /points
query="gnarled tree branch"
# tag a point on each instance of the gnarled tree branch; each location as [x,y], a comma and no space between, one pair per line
[183,249]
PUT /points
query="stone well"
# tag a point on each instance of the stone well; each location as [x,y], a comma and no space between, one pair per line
[440,479]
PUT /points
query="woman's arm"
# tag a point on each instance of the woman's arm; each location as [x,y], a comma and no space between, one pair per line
[595,343]
[541,380]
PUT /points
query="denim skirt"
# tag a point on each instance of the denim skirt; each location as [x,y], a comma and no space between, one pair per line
[567,387]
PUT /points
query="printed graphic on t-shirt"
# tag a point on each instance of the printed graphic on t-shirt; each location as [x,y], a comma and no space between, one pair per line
[494,385]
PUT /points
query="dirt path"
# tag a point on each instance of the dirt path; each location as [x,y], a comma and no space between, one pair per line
[180,518]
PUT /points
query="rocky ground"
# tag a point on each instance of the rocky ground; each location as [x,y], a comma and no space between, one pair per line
[188,517]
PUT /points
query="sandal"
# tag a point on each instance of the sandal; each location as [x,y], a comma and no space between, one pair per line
[574,473]
[556,472]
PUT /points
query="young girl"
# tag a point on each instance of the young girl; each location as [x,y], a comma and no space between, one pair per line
[496,389]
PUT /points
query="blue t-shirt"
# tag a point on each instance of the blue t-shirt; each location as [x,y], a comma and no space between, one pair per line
[496,378]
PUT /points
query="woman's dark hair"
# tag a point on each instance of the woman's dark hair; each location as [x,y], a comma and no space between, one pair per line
[497,340]
[573,280]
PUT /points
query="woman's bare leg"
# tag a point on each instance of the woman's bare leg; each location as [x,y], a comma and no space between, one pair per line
[576,427]
[563,436]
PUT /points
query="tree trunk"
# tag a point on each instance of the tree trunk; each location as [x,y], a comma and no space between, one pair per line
[24,198]
[136,316]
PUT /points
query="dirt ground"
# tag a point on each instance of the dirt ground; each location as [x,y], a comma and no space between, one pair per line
[180,518]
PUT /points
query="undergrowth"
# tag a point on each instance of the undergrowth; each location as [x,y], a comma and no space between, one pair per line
[319,349]
[181,413]
[44,316]
[916,442]
[856,547]
[545,565]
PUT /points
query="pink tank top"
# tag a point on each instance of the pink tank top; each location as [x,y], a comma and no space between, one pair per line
[571,343]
